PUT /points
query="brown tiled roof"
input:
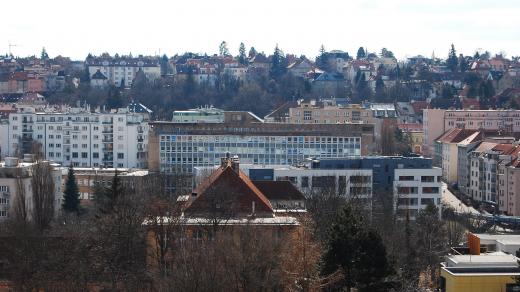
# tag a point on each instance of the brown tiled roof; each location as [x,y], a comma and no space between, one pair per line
[418,106]
[238,185]
[455,135]
[504,148]
[278,190]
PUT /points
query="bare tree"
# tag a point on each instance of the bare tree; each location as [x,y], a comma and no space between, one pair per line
[43,194]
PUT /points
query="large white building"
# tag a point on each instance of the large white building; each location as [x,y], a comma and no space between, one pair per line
[414,189]
[123,69]
[79,137]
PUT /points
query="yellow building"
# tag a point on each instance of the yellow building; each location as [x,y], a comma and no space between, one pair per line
[487,265]
[457,281]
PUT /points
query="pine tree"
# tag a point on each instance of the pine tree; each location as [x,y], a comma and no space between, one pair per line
[277,63]
[252,52]
[106,198]
[322,60]
[164,65]
[452,60]
[71,193]
[44,55]
[463,63]
[357,251]
[361,53]
[223,49]
[242,58]
[380,93]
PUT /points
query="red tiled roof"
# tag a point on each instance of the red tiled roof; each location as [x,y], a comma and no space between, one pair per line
[455,135]
[418,106]
[470,103]
[226,181]
[410,127]
[279,190]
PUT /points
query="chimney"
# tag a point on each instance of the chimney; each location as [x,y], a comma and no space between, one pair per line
[235,164]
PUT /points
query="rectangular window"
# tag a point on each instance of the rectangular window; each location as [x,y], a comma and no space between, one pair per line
[305,181]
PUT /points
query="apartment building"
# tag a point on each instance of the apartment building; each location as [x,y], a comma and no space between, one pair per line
[328,112]
[88,177]
[446,151]
[438,121]
[483,171]
[78,136]
[121,71]
[412,182]
[509,186]
[414,189]
[16,183]
[175,147]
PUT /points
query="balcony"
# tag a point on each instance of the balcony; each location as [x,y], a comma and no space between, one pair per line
[107,140]
[107,131]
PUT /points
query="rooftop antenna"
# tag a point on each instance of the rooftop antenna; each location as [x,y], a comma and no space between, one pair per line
[11,46]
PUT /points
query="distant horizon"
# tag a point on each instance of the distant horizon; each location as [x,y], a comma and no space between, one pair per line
[405,27]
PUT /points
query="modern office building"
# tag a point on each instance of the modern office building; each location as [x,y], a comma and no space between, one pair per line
[178,147]
[412,182]
[78,136]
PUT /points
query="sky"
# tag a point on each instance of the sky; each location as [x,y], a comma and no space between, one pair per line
[406,27]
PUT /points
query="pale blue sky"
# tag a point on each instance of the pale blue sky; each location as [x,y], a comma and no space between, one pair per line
[407,27]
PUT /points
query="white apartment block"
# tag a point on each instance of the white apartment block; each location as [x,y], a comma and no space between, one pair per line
[16,179]
[124,69]
[78,137]
[414,189]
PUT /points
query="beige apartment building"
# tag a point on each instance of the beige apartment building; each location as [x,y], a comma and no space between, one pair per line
[509,187]
[321,112]
[438,121]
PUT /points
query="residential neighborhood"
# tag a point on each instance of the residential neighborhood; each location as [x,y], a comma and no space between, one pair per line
[364,146]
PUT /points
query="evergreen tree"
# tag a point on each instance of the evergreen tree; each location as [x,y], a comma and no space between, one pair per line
[223,49]
[252,52]
[361,53]
[242,58]
[277,63]
[380,93]
[71,193]
[452,60]
[463,63]
[107,198]
[114,100]
[164,65]
[476,56]
[357,251]
[323,61]
[387,53]
[44,56]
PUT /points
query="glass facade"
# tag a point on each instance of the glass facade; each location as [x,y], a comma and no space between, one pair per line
[183,152]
